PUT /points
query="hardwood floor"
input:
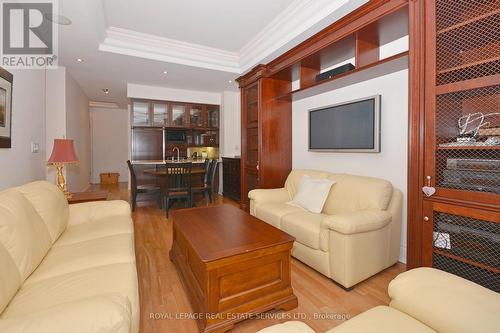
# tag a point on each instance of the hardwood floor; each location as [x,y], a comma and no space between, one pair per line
[165,307]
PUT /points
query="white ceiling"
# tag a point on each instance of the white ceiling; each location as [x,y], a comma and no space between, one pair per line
[201,44]
[222,24]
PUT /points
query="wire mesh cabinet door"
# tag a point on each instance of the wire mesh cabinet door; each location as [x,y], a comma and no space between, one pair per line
[462,128]
[463,241]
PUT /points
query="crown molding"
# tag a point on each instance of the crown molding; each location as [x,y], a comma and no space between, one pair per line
[136,44]
[300,20]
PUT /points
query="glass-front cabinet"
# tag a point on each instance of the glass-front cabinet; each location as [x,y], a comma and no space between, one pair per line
[196,118]
[160,114]
[213,116]
[178,115]
[140,113]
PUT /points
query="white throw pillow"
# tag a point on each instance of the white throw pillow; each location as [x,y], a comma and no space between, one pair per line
[312,193]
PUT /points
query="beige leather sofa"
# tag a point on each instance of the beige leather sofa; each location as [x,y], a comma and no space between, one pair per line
[423,300]
[357,234]
[65,268]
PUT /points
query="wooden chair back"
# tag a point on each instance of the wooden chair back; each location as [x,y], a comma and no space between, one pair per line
[178,177]
[206,167]
[212,172]
[133,179]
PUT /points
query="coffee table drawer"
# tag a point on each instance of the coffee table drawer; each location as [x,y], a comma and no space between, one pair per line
[250,280]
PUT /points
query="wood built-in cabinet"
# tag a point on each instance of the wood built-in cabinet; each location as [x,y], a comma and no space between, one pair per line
[267,90]
[455,79]
[179,118]
[231,177]
[160,126]
[266,158]
[174,114]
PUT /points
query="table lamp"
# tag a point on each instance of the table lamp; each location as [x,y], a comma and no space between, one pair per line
[63,153]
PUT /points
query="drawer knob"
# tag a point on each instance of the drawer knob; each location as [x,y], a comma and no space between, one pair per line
[426,218]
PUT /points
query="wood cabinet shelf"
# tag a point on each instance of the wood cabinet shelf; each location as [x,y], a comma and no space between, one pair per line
[468,147]
[467,261]
[471,64]
[481,82]
[356,70]
[469,21]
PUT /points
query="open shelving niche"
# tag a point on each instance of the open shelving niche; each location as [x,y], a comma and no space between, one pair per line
[380,42]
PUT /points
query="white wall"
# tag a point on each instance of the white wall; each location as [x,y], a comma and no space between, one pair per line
[110,137]
[230,129]
[390,81]
[78,129]
[170,94]
[231,124]
[17,164]
[55,120]
[67,116]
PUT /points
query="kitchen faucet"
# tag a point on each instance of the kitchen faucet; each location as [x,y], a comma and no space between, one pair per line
[178,154]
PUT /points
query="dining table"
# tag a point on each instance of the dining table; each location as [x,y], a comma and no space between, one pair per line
[163,172]
[197,180]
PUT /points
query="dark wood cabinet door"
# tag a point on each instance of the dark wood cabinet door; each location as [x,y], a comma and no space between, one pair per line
[212,113]
[250,141]
[178,115]
[159,114]
[231,178]
[147,144]
[197,116]
[462,241]
[140,113]
[461,94]
[454,89]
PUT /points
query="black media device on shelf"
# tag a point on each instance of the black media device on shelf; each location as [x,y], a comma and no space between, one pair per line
[336,71]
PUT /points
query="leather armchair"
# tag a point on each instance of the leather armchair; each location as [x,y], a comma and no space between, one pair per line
[423,300]
[357,234]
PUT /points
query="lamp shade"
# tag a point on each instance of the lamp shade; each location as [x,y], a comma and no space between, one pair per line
[63,152]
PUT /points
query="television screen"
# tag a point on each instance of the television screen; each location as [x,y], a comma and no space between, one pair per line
[346,127]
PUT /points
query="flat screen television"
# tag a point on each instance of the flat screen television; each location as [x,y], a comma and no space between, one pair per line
[347,127]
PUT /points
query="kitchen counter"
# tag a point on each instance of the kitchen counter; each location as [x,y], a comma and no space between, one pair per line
[158,162]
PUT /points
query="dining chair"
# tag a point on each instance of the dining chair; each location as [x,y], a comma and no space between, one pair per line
[141,189]
[177,183]
[213,173]
[206,164]
[207,189]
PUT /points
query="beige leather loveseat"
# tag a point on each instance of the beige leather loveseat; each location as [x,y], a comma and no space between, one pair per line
[423,300]
[357,234]
[65,268]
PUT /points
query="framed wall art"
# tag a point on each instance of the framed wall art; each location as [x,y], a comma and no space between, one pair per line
[6,80]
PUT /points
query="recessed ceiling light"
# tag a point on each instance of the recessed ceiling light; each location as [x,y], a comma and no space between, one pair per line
[106,91]
[58,19]
[230,81]
[165,72]
[79,60]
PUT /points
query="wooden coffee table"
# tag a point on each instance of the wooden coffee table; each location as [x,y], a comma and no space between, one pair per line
[232,265]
